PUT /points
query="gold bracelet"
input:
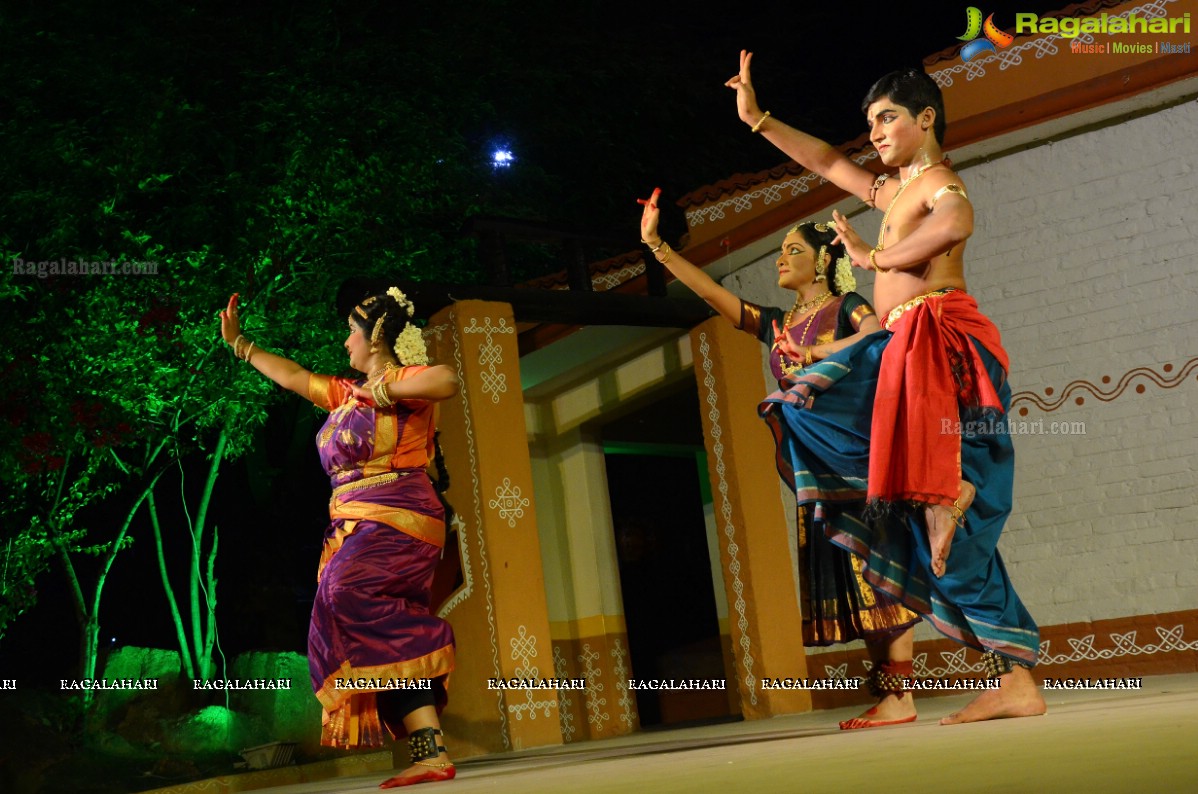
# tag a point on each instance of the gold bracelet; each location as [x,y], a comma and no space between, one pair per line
[249,351]
[237,346]
[873,264]
[381,398]
[757,126]
[663,247]
[808,359]
[660,243]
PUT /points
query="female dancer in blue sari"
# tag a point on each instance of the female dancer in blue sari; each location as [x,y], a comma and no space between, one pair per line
[837,605]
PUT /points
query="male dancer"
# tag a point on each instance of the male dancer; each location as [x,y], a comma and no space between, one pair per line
[941,363]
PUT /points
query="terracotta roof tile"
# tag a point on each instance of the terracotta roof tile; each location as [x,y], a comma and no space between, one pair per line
[739,182]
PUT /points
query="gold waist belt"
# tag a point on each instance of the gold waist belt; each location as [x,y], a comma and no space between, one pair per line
[900,310]
[366,482]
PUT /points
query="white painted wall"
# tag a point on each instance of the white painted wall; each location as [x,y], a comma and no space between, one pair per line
[1085,254]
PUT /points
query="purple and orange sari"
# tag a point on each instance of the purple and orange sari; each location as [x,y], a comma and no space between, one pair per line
[372,625]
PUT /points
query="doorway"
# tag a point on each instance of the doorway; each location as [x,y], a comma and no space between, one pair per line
[657,483]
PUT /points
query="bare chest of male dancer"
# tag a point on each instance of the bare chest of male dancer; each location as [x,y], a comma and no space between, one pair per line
[895,287]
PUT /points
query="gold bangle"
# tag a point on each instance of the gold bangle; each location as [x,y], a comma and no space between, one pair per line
[381,398]
[667,251]
[808,359]
[760,121]
[238,350]
[873,264]
[249,351]
[660,243]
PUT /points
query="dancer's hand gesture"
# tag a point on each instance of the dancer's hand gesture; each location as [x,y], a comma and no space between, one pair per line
[854,246]
[746,97]
[230,323]
[649,218]
[786,345]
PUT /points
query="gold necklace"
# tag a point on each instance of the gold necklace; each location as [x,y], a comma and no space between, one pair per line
[814,303]
[381,371]
[802,308]
[893,201]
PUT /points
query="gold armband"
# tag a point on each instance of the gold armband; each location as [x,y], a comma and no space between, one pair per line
[950,188]
[875,187]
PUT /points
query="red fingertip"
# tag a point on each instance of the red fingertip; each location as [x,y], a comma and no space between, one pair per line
[644,202]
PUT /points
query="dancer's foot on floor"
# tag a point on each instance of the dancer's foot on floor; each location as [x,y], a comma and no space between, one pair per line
[423,772]
[942,521]
[1017,696]
[890,710]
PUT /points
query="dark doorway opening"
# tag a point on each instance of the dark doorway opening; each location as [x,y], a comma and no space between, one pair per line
[657,484]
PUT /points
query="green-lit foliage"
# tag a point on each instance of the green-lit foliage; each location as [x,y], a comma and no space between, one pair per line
[234,155]
[272,149]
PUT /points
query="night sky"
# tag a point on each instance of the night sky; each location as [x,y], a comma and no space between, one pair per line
[606,101]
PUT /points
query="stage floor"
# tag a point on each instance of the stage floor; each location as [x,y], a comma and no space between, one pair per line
[1093,741]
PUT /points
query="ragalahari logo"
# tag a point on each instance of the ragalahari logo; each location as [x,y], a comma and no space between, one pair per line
[975,26]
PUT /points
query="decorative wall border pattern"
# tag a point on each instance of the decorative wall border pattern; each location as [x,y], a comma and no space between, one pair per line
[488,597]
[467,587]
[490,353]
[1080,650]
[565,704]
[509,502]
[620,670]
[524,649]
[1165,381]
[742,620]
[431,331]
[770,193]
[1083,650]
[616,278]
[602,282]
[595,702]
[1046,45]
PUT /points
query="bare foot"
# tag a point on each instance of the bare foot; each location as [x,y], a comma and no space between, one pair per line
[891,710]
[422,773]
[1017,696]
[942,521]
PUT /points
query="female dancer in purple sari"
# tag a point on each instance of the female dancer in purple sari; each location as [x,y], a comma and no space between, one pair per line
[837,605]
[377,655]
